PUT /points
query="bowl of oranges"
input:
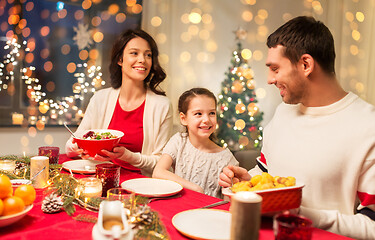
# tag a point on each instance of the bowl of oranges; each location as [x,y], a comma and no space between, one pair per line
[15,202]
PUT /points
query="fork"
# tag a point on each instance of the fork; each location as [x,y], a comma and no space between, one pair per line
[164,198]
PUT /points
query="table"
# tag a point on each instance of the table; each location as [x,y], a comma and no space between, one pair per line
[38,225]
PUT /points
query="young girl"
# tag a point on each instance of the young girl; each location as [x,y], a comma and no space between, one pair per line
[197,161]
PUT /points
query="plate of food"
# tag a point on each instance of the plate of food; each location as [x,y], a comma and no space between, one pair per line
[203,223]
[152,187]
[278,193]
[7,220]
[82,166]
[95,140]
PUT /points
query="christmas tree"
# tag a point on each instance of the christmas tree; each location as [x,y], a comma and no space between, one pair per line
[239,116]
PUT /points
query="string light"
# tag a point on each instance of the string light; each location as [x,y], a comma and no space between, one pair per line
[88,80]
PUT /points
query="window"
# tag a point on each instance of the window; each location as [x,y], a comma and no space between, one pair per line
[55,54]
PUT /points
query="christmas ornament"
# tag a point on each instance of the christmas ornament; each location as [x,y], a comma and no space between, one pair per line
[52,203]
[241,33]
[83,37]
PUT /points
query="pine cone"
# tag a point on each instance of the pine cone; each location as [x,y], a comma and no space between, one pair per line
[20,166]
[52,204]
[143,215]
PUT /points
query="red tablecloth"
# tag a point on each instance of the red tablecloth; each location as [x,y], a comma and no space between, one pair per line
[38,225]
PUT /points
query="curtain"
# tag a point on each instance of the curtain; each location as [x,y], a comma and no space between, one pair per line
[198,52]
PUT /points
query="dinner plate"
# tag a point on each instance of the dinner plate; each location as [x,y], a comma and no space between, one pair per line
[83,166]
[7,220]
[152,187]
[203,223]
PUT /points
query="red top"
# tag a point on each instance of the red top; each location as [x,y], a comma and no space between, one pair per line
[131,124]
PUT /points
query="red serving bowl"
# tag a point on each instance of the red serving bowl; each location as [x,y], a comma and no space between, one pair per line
[276,199]
[93,146]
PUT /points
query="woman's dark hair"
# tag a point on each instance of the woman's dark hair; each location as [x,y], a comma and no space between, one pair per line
[303,35]
[156,75]
[187,96]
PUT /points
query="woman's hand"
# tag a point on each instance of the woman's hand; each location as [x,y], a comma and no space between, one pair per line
[117,153]
[75,150]
[233,174]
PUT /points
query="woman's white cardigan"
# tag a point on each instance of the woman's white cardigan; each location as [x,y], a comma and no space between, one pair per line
[157,124]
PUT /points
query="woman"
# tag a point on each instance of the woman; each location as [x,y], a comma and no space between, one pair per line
[134,104]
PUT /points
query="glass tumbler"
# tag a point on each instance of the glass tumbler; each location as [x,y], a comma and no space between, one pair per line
[109,175]
[288,226]
[51,152]
[126,197]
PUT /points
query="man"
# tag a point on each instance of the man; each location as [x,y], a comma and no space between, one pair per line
[321,135]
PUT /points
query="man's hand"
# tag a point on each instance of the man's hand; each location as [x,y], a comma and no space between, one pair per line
[233,174]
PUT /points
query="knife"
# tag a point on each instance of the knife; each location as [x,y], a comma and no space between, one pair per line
[215,204]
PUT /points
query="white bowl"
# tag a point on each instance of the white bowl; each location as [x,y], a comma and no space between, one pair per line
[7,220]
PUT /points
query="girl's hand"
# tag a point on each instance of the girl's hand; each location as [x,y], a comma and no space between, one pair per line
[198,189]
[233,174]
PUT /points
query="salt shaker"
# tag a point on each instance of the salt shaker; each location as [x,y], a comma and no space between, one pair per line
[246,216]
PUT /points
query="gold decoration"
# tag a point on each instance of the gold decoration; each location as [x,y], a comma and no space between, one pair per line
[250,84]
[243,140]
[252,108]
[239,71]
[240,124]
[241,33]
[240,108]
[237,87]
[248,73]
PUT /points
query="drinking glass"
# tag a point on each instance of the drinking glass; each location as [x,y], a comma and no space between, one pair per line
[109,175]
[51,152]
[288,226]
[127,198]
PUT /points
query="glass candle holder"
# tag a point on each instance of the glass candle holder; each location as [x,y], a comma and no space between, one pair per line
[292,227]
[51,152]
[88,188]
[109,175]
[7,165]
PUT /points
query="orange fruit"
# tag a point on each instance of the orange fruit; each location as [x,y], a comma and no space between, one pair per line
[5,186]
[26,193]
[13,205]
[1,207]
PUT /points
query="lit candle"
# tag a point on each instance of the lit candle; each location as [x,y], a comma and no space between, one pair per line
[88,188]
[17,118]
[37,163]
[7,165]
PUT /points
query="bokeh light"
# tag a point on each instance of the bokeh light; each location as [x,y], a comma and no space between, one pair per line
[156,21]
[48,66]
[98,37]
[120,17]
[71,67]
[185,56]
[247,16]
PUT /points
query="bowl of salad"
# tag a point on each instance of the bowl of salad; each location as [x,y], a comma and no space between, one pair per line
[95,140]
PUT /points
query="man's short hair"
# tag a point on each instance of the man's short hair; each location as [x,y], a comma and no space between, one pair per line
[303,35]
